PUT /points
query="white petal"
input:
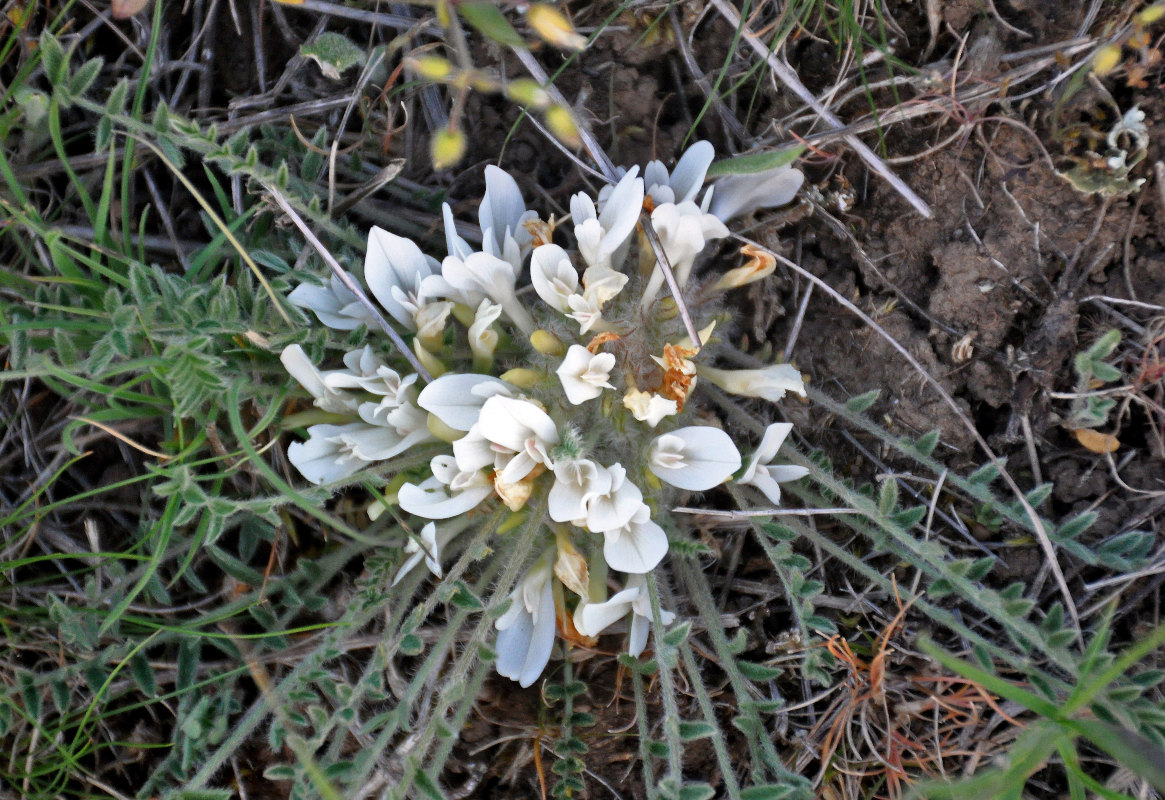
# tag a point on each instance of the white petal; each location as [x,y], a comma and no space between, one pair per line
[513,643]
[770,488]
[456,398]
[300,367]
[637,548]
[602,284]
[621,213]
[582,208]
[709,459]
[432,501]
[589,237]
[782,473]
[542,641]
[393,261]
[428,550]
[457,247]
[408,566]
[482,338]
[585,311]
[597,617]
[655,175]
[575,482]
[518,467]
[737,195]
[330,305]
[688,176]
[637,637]
[502,208]
[614,509]
[320,458]
[511,422]
[649,407]
[444,468]
[771,442]
[769,383]
[552,275]
[375,443]
[473,451]
[584,375]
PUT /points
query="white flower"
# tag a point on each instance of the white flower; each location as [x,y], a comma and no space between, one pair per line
[684,230]
[597,617]
[327,397]
[769,383]
[649,407]
[426,550]
[334,305]
[492,276]
[614,508]
[695,458]
[332,452]
[584,375]
[737,195]
[526,630]
[328,454]
[765,476]
[394,266]
[576,481]
[409,422]
[553,277]
[636,547]
[456,399]
[585,311]
[601,235]
[482,337]
[368,371]
[502,216]
[685,180]
[521,428]
[451,491]
[602,284]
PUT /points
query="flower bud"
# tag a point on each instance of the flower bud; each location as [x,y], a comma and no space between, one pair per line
[561,124]
[441,430]
[547,343]
[527,92]
[522,378]
[429,361]
[447,147]
[553,26]
[433,68]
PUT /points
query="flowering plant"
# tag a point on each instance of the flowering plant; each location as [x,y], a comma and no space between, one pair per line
[573,405]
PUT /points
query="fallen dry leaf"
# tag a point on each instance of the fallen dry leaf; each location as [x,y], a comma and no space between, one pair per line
[1096,441]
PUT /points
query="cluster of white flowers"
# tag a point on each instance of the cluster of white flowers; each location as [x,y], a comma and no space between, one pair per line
[570,404]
